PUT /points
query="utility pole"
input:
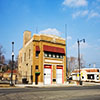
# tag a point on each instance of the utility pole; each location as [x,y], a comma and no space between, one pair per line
[66,50]
[80,82]
[11,84]
[79,59]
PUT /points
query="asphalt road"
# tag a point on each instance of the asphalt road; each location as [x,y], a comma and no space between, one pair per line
[57,93]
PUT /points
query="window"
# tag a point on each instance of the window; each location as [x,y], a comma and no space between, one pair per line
[24,56]
[61,56]
[36,67]
[90,76]
[57,56]
[53,55]
[49,55]
[21,59]
[29,53]
[82,77]
[37,54]
[45,54]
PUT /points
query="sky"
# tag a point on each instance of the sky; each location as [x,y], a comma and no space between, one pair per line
[50,16]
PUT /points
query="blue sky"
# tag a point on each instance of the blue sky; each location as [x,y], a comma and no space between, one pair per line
[50,16]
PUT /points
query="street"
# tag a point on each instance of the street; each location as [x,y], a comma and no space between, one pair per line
[54,93]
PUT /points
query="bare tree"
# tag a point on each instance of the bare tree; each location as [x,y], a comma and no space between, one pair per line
[82,62]
[2,57]
[15,63]
[73,63]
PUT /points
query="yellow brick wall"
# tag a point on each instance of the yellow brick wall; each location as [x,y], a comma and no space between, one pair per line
[24,67]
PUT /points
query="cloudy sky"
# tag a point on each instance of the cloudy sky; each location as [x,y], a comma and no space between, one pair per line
[50,16]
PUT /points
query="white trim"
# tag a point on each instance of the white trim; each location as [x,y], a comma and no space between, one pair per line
[52,64]
[53,61]
[90,68]
[92,73]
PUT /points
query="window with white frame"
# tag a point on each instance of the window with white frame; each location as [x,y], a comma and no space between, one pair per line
[53,55]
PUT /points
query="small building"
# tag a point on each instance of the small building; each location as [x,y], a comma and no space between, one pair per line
[7,75]
[87,74]
[42,60]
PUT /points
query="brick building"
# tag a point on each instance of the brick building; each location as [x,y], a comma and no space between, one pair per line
[42,59]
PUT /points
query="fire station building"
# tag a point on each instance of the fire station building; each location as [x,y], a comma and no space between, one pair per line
[42,60]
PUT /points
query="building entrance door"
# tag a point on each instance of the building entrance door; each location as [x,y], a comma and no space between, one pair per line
[36,78]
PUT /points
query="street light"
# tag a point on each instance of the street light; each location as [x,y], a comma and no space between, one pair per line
[78,41]
[11,84]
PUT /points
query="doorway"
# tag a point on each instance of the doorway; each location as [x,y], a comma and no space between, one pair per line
[37,78]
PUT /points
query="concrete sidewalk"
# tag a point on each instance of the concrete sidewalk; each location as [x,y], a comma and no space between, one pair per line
[90,83]
[52,85]
[4,85]
[57,85]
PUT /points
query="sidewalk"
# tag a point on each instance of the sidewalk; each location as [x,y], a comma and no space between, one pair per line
[4,85]
[52,85]
[57,85]
[90,83]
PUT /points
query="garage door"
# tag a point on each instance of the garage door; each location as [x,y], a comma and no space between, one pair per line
[59,75]
[47,75]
